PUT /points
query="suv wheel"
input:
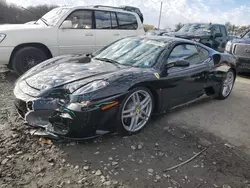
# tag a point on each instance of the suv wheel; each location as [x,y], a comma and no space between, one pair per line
[27,57]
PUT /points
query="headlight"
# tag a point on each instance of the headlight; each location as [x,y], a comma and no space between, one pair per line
[2,36]
[228,46]
[78,88]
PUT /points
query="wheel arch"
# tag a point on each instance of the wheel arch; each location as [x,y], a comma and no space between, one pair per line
[234,71]
[35,44]
[153,91]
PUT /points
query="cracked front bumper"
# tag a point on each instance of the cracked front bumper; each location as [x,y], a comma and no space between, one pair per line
[69,121]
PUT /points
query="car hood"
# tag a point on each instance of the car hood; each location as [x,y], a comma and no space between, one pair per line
[7,27]
[60,71]
[246,41]
[188,35]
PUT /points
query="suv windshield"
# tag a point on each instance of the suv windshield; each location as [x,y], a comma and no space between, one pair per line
[132,51]
[53,16]
[195,28]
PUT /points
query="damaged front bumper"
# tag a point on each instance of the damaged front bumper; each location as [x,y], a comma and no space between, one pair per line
[72,121]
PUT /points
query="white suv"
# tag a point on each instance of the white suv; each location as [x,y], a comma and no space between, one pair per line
[65,30]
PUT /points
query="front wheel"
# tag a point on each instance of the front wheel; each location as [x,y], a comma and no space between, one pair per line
[227,85]
[135,110]
[26,58]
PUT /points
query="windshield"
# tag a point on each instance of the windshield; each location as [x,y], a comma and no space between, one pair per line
[131,51]
[53,16]
[195,28]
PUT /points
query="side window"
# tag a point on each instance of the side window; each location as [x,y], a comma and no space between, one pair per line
[216,29]
[203,53]
[223,31]
[103,20]
[81,19]
[114,21]
[186,52]
[127,21]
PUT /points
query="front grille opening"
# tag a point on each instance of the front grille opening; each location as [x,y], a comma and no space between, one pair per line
[30,105]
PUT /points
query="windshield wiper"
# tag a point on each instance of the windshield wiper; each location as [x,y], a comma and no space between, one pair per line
[108,60]
[113,61]
[39,17]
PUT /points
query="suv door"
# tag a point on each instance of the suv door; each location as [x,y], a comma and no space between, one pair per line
[107,30]
[80,39]
[185,83]
[128,25]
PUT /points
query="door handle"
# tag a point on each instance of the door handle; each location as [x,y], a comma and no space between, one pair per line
[116,34]
[88,34]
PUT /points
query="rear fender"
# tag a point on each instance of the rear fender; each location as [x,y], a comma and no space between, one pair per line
[222,64]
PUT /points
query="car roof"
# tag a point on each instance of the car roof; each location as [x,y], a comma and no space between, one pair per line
[165,39]
[92,7]
[207,23]
[172,40]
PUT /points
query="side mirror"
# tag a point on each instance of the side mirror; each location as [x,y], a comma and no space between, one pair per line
[67,24]
[241,35]
[217,35]
[178,63]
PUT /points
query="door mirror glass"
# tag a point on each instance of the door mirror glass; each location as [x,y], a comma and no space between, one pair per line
[179,63]
[67,24]
[217,35]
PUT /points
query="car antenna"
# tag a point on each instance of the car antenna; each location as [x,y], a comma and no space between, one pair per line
[43,20]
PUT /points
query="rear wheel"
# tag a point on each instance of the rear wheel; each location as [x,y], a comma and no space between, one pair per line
[135,110]
[227,85]
[26,58]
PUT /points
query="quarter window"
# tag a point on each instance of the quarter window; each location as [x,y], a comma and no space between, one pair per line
[103,20]
[186,52]
[127,21]
[81,19]
[203,53]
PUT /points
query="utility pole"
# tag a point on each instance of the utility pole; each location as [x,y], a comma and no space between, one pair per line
[159,22]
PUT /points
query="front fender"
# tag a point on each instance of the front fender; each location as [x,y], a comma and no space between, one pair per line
[120,84]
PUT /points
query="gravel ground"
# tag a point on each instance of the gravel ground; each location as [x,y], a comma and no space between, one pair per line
[140,160]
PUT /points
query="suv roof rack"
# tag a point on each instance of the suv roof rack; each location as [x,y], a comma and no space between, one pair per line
[127,8]
[105,6]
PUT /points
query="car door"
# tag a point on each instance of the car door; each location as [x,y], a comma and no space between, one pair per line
[128,25]
[107,30]
[80,39]
[183,84]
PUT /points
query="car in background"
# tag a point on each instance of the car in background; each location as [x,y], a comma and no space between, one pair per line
[157,32]
[65,30]
[212,35]
[240,48]
[119,87]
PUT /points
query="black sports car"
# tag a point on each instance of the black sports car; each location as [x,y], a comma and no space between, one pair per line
[120,86]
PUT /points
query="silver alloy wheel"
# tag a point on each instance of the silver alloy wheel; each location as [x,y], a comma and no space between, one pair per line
[228,84]
[136,110]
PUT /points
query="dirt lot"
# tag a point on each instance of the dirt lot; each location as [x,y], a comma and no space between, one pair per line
[139,160]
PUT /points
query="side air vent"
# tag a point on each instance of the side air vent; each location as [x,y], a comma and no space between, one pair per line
[216,58]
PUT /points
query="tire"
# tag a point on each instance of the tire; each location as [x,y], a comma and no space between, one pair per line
[143,114]
[27,57]
[223,95]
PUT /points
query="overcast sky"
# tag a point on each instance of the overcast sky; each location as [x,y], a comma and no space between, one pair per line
[173,11]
